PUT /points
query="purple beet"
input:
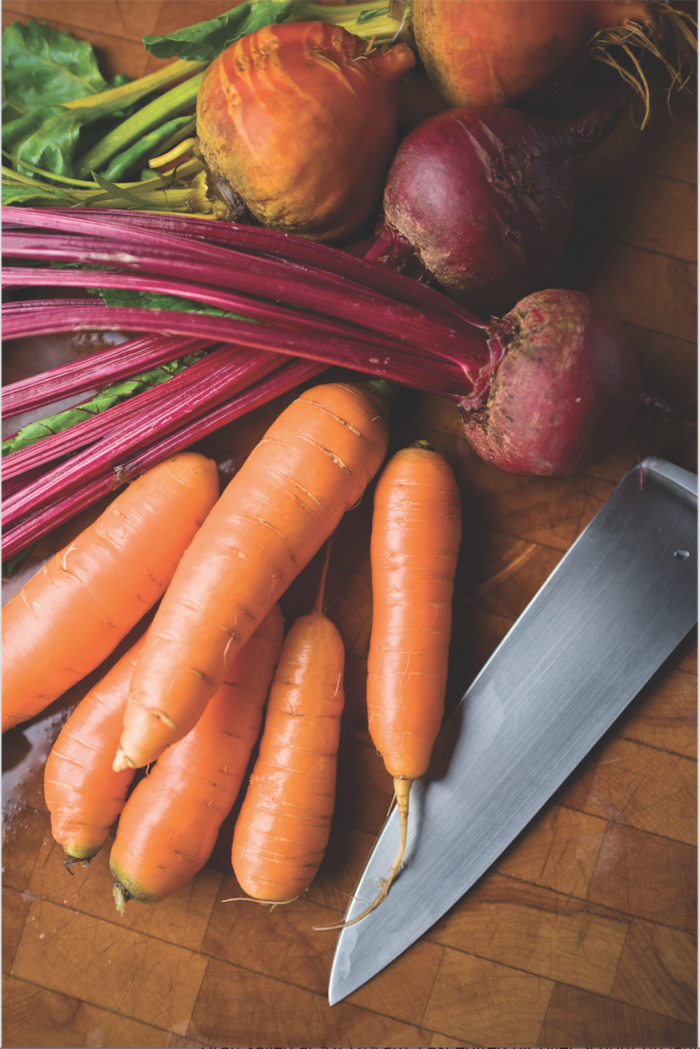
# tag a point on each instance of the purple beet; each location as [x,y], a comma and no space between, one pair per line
[484,195]
[563,390]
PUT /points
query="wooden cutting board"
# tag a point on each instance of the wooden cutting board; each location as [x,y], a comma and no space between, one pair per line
[583,933]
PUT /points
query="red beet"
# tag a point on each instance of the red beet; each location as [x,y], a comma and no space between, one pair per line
[564,391]
[485,197]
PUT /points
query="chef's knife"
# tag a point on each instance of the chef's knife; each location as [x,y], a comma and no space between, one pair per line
[612,611]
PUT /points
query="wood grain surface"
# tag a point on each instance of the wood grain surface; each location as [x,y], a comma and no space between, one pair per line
[584,931]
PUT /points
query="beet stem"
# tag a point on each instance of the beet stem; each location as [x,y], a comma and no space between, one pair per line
[43,521]
[407,370]
[433,335]
[201,386]
[105,366]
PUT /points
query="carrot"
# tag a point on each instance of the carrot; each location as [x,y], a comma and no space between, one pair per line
[170,823]
[282,830]
[83,794]
[313,463]
[77,608]
[416,532]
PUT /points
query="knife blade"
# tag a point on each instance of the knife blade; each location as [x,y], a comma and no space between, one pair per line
[612,611]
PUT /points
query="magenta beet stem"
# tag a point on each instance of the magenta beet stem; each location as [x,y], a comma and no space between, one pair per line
[52,515]
[203,385]
[419,373]
[101,368]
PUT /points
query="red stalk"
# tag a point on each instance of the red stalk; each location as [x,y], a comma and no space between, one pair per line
[419,373]
[88,431]
[202,386]
[105,366]
[275,280]
[308,257]
[256,309]
[53,514]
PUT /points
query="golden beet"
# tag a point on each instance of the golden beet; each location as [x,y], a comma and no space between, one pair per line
[299,119]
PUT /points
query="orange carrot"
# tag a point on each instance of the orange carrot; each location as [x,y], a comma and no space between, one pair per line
[282,830]
[416,532]
[169,825]
[313,463]
[77,608]
[83,793]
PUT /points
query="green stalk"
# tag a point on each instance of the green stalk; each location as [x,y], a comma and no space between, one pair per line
[130,130]
[153,194]
[16,176]
[117,97]
[144,148]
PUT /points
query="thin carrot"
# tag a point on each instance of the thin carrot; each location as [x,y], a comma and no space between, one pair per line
[312,465]
[416,533]
[169,825]
[282,830]
[77,608]
[83,793]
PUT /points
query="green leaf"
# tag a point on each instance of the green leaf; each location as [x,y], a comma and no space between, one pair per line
[46,138]
[10,566]
[43,66]
[106,398]
[204,41]
[154,300]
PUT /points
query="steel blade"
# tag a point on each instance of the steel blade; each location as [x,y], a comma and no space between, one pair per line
[613,610]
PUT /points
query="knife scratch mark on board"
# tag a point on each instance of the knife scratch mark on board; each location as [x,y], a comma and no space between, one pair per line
[505,572]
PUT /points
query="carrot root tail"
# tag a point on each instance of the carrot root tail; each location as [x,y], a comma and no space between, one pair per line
[263,903]
[121,895]
[402,788]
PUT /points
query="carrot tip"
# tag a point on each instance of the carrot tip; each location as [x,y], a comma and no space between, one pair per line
[122,761]
[121,895]
[68,862]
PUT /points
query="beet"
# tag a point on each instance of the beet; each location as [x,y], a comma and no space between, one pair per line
[297,121]
[564,391]
[489,52]
[548,389]
[485,195]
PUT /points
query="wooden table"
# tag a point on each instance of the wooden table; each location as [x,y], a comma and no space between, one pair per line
[583,933]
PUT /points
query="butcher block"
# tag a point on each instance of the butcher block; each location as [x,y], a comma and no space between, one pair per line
[584,930]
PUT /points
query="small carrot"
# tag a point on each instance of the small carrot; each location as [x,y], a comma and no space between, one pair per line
[77,608]
[169,825]
[282,830]
[416,533]
[312,465]
[82,792]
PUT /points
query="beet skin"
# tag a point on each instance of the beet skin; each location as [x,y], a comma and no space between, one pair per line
[563,394]
[485,196]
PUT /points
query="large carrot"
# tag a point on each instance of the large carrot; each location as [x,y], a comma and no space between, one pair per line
[77,608]
[169,825]
[282,830]
[312,465]
[83,793]
[416,533]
